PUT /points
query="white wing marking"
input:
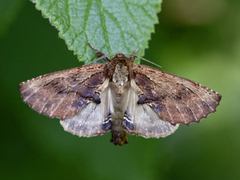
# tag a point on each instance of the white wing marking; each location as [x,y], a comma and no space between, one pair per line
[145,120]
[88,122]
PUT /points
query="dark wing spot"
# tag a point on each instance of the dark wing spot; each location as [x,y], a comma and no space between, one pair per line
[127,125]
[107,126]
[79,103]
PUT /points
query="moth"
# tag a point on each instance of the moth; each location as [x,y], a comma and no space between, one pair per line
[119,96]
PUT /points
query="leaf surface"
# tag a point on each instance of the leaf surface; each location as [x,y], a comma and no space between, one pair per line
[109,25]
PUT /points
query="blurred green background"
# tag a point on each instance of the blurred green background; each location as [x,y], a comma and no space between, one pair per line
[196,39]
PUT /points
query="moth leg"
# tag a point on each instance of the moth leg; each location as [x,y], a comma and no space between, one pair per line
[99,53]
[133,56]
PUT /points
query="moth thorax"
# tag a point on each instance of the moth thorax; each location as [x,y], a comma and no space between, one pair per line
[120,77]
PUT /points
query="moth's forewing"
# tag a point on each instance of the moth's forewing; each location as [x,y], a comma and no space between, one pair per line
[62,94]
[173,98]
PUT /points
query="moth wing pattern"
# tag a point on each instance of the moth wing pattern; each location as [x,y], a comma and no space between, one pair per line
[120,97]
[89,121]
[142,120]
[173,98]
[64,93]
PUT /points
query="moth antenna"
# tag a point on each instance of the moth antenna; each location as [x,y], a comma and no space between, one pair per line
[147,61]
[134,55]
[104,57]
[100,54]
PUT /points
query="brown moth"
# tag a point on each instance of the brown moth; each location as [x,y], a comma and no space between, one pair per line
[119,96]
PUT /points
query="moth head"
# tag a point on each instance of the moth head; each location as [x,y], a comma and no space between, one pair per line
[119,137]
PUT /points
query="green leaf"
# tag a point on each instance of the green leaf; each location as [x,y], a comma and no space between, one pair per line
[111,26]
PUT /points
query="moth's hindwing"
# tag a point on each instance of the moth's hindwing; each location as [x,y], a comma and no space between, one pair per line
[142,120]
[90,120]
